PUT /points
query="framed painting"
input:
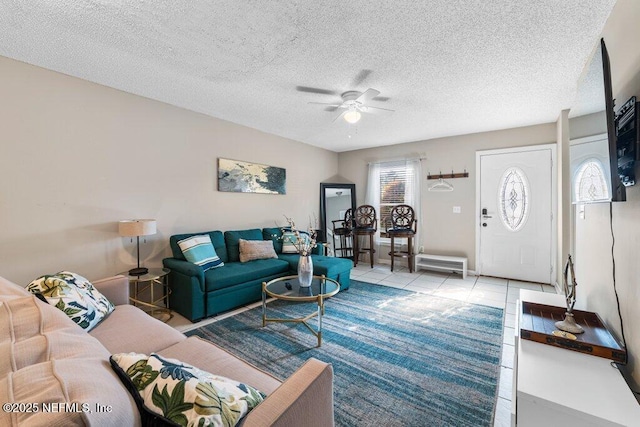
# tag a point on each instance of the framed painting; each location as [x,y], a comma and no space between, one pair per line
[243,177]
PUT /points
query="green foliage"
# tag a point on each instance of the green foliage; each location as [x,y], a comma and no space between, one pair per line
[50,287]
[253,398]
[69,311]
[172,405]
[215,402]
[141,374]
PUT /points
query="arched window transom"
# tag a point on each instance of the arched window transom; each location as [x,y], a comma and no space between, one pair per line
[590,182]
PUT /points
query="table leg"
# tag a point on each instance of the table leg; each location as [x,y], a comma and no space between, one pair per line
[320,313]
[264,305]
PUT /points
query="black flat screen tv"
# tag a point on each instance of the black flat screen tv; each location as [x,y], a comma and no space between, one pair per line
[594,158]
[618,191]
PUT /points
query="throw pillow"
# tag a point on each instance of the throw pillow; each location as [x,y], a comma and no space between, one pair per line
[290,243]
[176,392]
[200,251]
[256,249]
[75,296]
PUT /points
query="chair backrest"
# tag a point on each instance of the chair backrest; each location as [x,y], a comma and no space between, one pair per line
[346,223]
[403,217]
[365,217]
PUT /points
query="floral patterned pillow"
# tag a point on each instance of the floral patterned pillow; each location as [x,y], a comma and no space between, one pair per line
[174,392]
[75,296]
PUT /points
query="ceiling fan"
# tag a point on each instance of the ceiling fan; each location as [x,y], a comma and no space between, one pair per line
[355,103]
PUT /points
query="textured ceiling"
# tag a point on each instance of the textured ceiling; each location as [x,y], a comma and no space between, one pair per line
[447,67]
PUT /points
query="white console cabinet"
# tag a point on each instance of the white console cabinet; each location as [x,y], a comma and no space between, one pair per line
[558,387]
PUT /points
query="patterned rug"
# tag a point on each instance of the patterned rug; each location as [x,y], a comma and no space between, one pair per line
[400,358]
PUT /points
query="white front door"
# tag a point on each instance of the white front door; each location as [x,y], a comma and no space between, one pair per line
[515,218]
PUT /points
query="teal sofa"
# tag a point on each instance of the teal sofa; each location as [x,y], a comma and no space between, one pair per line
[197,294]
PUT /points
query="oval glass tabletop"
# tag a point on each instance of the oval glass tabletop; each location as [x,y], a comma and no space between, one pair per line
[289,288]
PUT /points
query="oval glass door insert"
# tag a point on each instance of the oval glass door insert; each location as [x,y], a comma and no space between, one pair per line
[513,198]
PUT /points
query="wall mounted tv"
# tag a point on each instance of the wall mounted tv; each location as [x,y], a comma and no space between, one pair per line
[628,140]
[594,160]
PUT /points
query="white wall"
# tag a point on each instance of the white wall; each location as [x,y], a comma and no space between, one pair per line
[594,267]
[444,232]
[77,157]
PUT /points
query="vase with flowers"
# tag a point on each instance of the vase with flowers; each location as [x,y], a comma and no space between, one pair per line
[304,243]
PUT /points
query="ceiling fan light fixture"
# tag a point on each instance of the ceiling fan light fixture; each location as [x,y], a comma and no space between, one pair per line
[352,116]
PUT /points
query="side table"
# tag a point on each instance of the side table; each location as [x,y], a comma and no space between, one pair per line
[156,306]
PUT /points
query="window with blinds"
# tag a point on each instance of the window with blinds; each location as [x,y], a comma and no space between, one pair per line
[394,179]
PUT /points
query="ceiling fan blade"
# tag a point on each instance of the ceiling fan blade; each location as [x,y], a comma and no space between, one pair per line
[378,111]
[315,90]
[360,77]
[329,104]
[367,96]
[339,116]
[381,98]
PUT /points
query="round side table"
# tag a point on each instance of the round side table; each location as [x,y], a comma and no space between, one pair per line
[145,285]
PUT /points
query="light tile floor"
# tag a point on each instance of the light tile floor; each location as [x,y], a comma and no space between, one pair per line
[490,291]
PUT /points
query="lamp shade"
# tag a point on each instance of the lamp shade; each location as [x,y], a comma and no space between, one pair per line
[137,227]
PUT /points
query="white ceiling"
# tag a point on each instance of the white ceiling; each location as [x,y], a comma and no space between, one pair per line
[447,67]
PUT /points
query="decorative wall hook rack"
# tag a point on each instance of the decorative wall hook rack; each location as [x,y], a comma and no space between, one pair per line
[464,174]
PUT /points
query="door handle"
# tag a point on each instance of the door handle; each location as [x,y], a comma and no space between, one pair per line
[487,216]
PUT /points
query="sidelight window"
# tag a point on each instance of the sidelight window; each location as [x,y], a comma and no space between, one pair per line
[590,183]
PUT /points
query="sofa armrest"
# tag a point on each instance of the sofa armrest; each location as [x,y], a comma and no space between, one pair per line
[184,267]
[115,289]
[305,398]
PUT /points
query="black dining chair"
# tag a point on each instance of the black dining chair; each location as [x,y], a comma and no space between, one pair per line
[365,223]
[342,230]
[402,225]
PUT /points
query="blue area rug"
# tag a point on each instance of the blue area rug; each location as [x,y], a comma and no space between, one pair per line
[400,358]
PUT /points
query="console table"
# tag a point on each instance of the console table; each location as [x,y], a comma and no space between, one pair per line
[559,387]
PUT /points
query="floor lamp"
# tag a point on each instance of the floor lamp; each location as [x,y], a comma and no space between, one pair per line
[136,228]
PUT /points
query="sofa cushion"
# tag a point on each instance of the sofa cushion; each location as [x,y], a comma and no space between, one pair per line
[46,358]
[232,238]
[32,331]
[200,251]
[234,273]
[9,288]
[251,250]
[329,266]
[75,296]
[111,333]
[184,394]
[217,239]
[275,235]
[74,389]
[210,357]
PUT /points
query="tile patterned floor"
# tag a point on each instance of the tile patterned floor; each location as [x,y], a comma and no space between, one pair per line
[491,291]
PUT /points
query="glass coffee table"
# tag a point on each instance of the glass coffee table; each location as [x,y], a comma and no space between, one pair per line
[288,289]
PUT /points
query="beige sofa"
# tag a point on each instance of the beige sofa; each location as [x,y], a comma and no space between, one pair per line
[48,363]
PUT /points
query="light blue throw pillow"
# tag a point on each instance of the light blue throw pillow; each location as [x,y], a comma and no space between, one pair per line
[200,251]
[290,243]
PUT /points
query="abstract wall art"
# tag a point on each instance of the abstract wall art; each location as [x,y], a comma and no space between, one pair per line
[244,177]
